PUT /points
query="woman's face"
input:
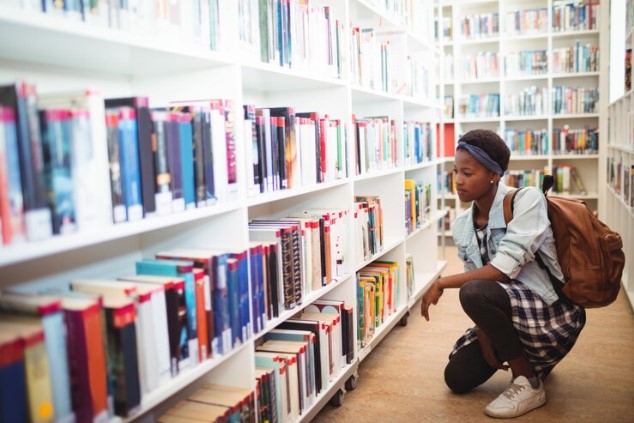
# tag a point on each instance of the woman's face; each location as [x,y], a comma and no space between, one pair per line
[473,180]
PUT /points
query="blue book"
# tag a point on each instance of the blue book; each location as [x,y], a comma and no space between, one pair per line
[189,331]
[13,404]
[256,275]
[187,160]
[234,302]
[246,328]
[56,147]
[130,168]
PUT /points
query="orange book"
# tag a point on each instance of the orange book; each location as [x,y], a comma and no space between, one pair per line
[203,302]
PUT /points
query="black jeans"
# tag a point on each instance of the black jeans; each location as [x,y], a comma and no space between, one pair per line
[489,306]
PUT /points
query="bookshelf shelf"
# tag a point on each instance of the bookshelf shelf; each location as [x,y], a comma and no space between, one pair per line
[61,42]
[310,298]
[575,34]
[58,54]
[26,252]
[424,280]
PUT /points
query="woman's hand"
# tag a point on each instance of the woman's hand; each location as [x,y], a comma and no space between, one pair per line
[432,296]
[488,352]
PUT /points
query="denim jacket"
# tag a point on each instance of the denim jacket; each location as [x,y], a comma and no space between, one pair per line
[512,249]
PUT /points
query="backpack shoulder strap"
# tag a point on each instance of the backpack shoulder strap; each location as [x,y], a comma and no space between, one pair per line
[509,205]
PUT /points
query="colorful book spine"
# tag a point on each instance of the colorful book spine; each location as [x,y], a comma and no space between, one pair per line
[130,169]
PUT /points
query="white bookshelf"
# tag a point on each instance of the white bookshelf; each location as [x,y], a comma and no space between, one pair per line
[58,54]
[620,149]
[506,43]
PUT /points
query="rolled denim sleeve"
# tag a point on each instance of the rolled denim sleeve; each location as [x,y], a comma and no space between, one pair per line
[524,233]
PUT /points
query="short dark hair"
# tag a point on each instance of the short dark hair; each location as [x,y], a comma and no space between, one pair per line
[491,143]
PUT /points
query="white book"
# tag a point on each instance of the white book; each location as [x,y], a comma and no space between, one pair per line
[90,155]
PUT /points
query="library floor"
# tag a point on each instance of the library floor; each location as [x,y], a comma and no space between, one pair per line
[402,379]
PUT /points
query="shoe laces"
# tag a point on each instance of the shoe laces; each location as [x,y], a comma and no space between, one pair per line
[513,390]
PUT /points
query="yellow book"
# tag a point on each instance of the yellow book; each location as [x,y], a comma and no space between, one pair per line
[38,381]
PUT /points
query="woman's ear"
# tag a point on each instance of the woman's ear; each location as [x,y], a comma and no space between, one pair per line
[495,178]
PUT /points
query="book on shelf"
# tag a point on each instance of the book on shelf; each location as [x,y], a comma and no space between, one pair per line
[88,157]
[21,98]
[147,347]
[13,401]
[48,311]
[189,347]
[36,367]
[300,357]
[278,401]
[91,385]
[166,309]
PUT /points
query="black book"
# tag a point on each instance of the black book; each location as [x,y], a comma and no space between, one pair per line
[290,142]
[174,162]
[144,137]
[249,115]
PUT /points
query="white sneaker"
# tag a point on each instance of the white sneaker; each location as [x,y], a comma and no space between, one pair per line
[519,398]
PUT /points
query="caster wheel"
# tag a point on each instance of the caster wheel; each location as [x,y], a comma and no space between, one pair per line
[337,399]
[403,321]
[352,382]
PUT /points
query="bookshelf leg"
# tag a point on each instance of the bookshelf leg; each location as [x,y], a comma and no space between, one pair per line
[352,382]
[337,399]
[403,321]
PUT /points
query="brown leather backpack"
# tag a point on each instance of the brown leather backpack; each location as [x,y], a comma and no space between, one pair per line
[589,252]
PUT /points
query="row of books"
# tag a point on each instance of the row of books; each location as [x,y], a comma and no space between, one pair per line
[524,178]
[526,62]
[378,286]
[567,180]
[526,21]
[293,34]
[301,358]
[482,65]
[52,171]
[481,25]
[193,22]
[373,61]
[376,145]
[304,252]
[290,149]
[575,15]
[417,142]
[417,205]
[64,150]
[182,308]
[485,105]
[580,58]
[368,227]
[166,160]
[485,64]
[567,16]
[527,141]
[530,101]
[620,177]
[575,141]
[214,403]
